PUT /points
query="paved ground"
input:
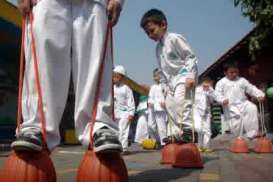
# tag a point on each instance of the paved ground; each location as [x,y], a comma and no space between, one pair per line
[143,166]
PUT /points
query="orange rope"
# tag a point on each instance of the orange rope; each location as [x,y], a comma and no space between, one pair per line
[112,85]
[98,86]
[37,80]
[21,77]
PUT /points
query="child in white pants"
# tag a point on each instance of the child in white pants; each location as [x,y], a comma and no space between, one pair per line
[239,112]
[179,67]
[142,122]
[69,38]
[204,96]
[124,106]
[157,116]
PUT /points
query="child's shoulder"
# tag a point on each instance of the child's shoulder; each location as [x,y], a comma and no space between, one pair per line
[173,36]
[126,87]
[222,80]
[154,86]
[198,89]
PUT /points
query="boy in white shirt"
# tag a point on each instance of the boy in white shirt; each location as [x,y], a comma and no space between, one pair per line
[179,67]
[124,106]
[158,115]
[240,113]
[204,96]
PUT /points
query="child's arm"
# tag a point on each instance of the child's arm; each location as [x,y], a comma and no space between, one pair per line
[113,10]
[130,103]
[211,95]
[151,97]
[24,6]
[187,56]
[219,94]
[253,91]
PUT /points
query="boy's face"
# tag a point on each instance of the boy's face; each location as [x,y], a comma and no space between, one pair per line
[156,77]
[155,31]
[232,73]
[206,85]
[117,78]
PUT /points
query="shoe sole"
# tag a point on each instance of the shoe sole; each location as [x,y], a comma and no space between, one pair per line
[109,148]
[25,146]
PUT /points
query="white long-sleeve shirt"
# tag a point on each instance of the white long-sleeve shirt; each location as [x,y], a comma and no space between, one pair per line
[124,104]
[175,57]
[203,99]
[235,90]
[156,97]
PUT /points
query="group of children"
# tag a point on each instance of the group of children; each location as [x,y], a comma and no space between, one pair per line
[175,108]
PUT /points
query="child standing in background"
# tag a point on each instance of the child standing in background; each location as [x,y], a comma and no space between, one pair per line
[204,96]
[158,115]
[238,110]
[124,106]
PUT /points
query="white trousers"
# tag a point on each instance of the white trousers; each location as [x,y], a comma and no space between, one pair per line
[142,128]
[69,37]
[243,115]
[202,124]
[179,109]
[158,125]
[124,127]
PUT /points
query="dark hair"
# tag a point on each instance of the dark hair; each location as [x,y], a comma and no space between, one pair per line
[153,15]
[205,79]
[226,66]
[156,70]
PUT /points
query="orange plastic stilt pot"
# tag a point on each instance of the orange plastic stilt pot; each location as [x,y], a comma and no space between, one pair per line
[187,156]
[239,145]
[28,167]
[108,167]
[168,153]
[263,145]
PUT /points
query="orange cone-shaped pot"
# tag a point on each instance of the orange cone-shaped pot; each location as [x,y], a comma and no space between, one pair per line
[108,167]
[239,145]
[28,167]
[263,145]
[168,153]
[187,156]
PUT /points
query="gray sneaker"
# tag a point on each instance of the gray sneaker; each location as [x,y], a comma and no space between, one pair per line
[106,140]
[28,141]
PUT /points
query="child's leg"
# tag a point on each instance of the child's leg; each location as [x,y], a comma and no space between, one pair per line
[89,33]
[152,127]
[184,112]
[173,107]
[206,130]
[142,128]
[198,127]
[233,117]
[250,119]
[53,53]
[161,123]
[124,127]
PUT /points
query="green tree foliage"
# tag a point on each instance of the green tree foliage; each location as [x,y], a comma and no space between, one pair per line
[259,12]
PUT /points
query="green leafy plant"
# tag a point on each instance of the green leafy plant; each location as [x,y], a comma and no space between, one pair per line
[259,12]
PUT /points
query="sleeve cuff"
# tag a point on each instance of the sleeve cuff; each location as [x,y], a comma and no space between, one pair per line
[190,75]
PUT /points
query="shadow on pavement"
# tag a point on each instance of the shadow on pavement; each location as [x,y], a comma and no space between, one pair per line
[142,151]
[161,175]
[209,158]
